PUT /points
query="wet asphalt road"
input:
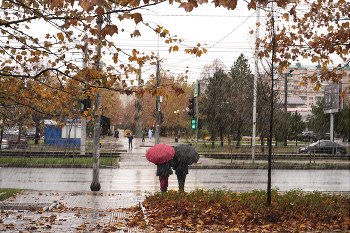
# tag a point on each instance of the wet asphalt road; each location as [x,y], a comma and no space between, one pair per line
[137,175]
[142,180]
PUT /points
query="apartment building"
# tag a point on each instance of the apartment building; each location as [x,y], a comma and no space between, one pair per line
[305,93]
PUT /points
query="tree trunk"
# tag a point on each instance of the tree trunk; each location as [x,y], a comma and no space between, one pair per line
[222,137]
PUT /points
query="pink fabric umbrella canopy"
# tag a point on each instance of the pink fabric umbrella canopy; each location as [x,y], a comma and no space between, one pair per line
[160,153]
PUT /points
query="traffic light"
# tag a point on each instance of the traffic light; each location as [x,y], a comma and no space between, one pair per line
[199,123]
[161,117]
[191,107]
[153,125]
[193,124]
[86,104]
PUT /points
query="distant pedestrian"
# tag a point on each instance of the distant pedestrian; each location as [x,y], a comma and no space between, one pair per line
[163,171]
[130,137]
[143,134]
[116,134]
[178,133]
[150,134]
[181,170]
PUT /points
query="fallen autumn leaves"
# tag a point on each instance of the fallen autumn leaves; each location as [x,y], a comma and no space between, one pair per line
[197,211]
[226,211]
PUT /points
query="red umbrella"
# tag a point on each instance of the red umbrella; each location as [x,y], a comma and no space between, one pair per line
[160,153]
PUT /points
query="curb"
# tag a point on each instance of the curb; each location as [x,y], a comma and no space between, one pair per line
[234,166]
[33,165]
[264,167]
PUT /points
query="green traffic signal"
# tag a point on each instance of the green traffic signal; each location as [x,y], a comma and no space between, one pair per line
[193,123]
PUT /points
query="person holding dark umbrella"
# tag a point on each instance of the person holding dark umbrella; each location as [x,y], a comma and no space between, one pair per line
[184,155]
[181,170]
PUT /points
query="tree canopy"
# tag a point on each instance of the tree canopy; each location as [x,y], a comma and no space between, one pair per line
[319,33]
[37,71]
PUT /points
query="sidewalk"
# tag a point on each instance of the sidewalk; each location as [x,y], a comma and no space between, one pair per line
[87,211]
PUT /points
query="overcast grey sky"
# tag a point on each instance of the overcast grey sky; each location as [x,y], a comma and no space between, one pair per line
[224,33]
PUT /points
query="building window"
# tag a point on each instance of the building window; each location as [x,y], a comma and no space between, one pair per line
[296,87]
[311,98]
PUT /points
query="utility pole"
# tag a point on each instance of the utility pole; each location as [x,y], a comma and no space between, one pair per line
[157,100]
[138,128]
[285,100]
[157,105]
[256,73]
[271,113]
[196,95]
[95,185]
[83,121]
[197,123]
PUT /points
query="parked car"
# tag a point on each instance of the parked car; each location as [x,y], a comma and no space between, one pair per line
[12,130]
[4,144]
[324,147]
[12,140]
[346,139]
[307,137]
[325,136]
[30,133]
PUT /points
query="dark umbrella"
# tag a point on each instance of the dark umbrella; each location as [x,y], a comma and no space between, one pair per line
[186,154]
[160,153]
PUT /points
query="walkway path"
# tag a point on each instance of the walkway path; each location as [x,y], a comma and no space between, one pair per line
[86,211]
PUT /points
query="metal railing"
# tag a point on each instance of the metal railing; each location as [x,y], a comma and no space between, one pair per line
[58,148]
[222,149]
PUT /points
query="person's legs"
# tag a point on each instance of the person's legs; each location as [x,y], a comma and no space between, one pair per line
[181,180]
[163,180]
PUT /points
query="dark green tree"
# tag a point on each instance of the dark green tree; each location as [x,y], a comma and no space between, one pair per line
[214,105]
[281,124]
[262,111]
[296,125]
[342,122]
[318,121]
[240,98]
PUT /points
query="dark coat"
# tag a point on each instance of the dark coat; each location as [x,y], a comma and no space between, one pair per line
[116,134]
[130,138]
[179,167]
[163,169]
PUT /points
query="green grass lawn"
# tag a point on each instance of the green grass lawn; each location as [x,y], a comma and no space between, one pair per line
[103,161]
[8,192]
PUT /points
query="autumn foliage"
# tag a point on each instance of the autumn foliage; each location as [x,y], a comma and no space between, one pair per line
[312,31]
[227,211]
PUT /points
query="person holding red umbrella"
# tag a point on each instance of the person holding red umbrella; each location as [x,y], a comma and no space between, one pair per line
[160,155]
[163,171]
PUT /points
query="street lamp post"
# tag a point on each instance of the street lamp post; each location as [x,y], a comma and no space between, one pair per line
[285,99]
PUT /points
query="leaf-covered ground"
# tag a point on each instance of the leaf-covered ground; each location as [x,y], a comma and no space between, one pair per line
[226,211]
